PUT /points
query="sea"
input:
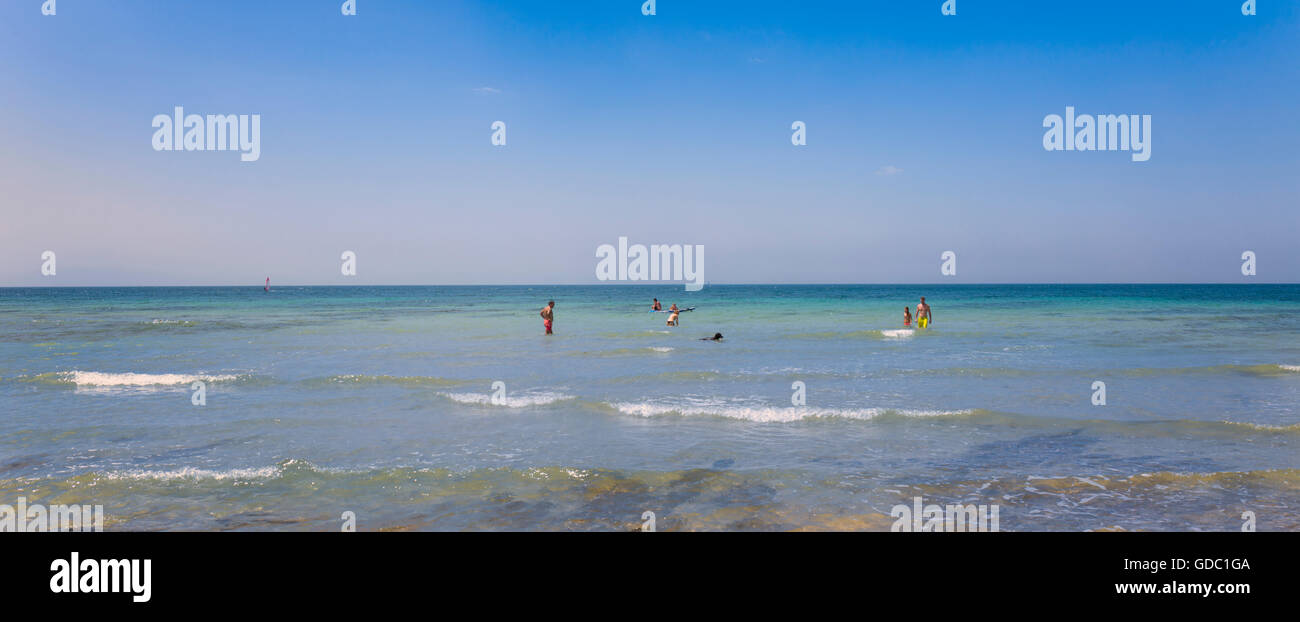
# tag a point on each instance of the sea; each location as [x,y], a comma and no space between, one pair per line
[1068,407]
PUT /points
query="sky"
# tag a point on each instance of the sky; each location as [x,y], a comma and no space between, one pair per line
[924,134]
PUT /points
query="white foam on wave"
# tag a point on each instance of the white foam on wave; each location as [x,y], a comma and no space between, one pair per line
[524,400]
[773,414]
[1290,367]
[194,473]
[898,333]
[191,473]
[104,379]
[661,348]
[542,474]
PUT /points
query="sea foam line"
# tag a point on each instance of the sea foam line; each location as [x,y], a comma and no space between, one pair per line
[516,401]
[192,473]
[775,414]
[106,379]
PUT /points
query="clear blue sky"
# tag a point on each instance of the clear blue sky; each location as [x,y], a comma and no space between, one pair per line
[666,129]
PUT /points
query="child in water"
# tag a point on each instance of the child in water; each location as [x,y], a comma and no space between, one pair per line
[907,316]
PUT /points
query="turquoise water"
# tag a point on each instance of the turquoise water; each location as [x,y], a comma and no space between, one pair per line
[378,401]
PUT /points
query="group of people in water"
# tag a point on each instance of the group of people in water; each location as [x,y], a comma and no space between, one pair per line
[673,311]
[548,317]
[924,316]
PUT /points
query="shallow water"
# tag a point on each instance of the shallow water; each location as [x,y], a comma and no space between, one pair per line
[378,400]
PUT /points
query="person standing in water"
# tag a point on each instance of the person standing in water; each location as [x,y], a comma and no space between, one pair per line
[924,316]
[548,316]
[672,319]
[907,316]
[656,306]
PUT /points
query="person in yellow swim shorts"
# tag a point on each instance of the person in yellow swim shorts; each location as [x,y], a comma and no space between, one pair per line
[923,314]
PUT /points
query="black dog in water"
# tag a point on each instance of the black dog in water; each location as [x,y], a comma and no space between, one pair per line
[715,337]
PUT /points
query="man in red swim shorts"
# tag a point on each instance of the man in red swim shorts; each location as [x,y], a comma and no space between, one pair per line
[548,316]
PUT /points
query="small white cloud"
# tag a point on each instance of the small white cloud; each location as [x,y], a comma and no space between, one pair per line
[756,60]
[889,170]
[487,90]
